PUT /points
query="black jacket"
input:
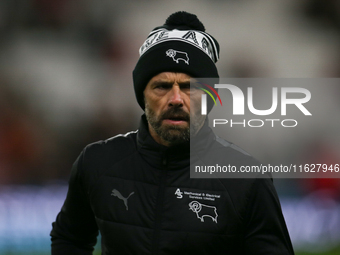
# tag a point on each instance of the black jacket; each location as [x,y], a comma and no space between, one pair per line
[140,197]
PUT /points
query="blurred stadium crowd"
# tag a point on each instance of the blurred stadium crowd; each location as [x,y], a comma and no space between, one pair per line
[66,73]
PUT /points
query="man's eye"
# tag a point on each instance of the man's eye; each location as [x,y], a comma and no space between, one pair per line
[162,87]
[187,86]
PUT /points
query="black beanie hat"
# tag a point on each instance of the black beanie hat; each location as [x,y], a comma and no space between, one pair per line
[180,45]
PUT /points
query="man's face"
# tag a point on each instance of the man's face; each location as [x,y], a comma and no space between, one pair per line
[167,108]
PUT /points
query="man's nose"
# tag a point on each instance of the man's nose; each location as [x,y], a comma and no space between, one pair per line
[176,97]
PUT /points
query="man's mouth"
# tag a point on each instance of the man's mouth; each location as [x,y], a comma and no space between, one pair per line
[175,120]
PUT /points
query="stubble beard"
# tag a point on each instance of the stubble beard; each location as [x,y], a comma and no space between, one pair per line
[174,134]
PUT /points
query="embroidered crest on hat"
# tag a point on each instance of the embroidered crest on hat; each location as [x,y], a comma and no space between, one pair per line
[177,55]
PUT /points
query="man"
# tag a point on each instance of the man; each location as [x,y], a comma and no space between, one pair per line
[136,188]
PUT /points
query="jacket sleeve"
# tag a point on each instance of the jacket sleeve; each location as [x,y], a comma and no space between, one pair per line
[266,231]
[75,230]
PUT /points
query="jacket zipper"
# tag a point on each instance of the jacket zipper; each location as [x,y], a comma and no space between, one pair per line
[159,207]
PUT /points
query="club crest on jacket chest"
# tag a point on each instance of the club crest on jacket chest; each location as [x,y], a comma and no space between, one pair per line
[202,204]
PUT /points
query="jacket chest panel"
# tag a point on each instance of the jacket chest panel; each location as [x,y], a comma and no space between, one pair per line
[199,210]
[189,209]
[124,201]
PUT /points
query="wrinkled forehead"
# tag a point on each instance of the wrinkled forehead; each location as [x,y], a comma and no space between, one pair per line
[170,77]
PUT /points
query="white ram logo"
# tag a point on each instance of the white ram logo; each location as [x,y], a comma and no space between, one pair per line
[178,55]
[202,210]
